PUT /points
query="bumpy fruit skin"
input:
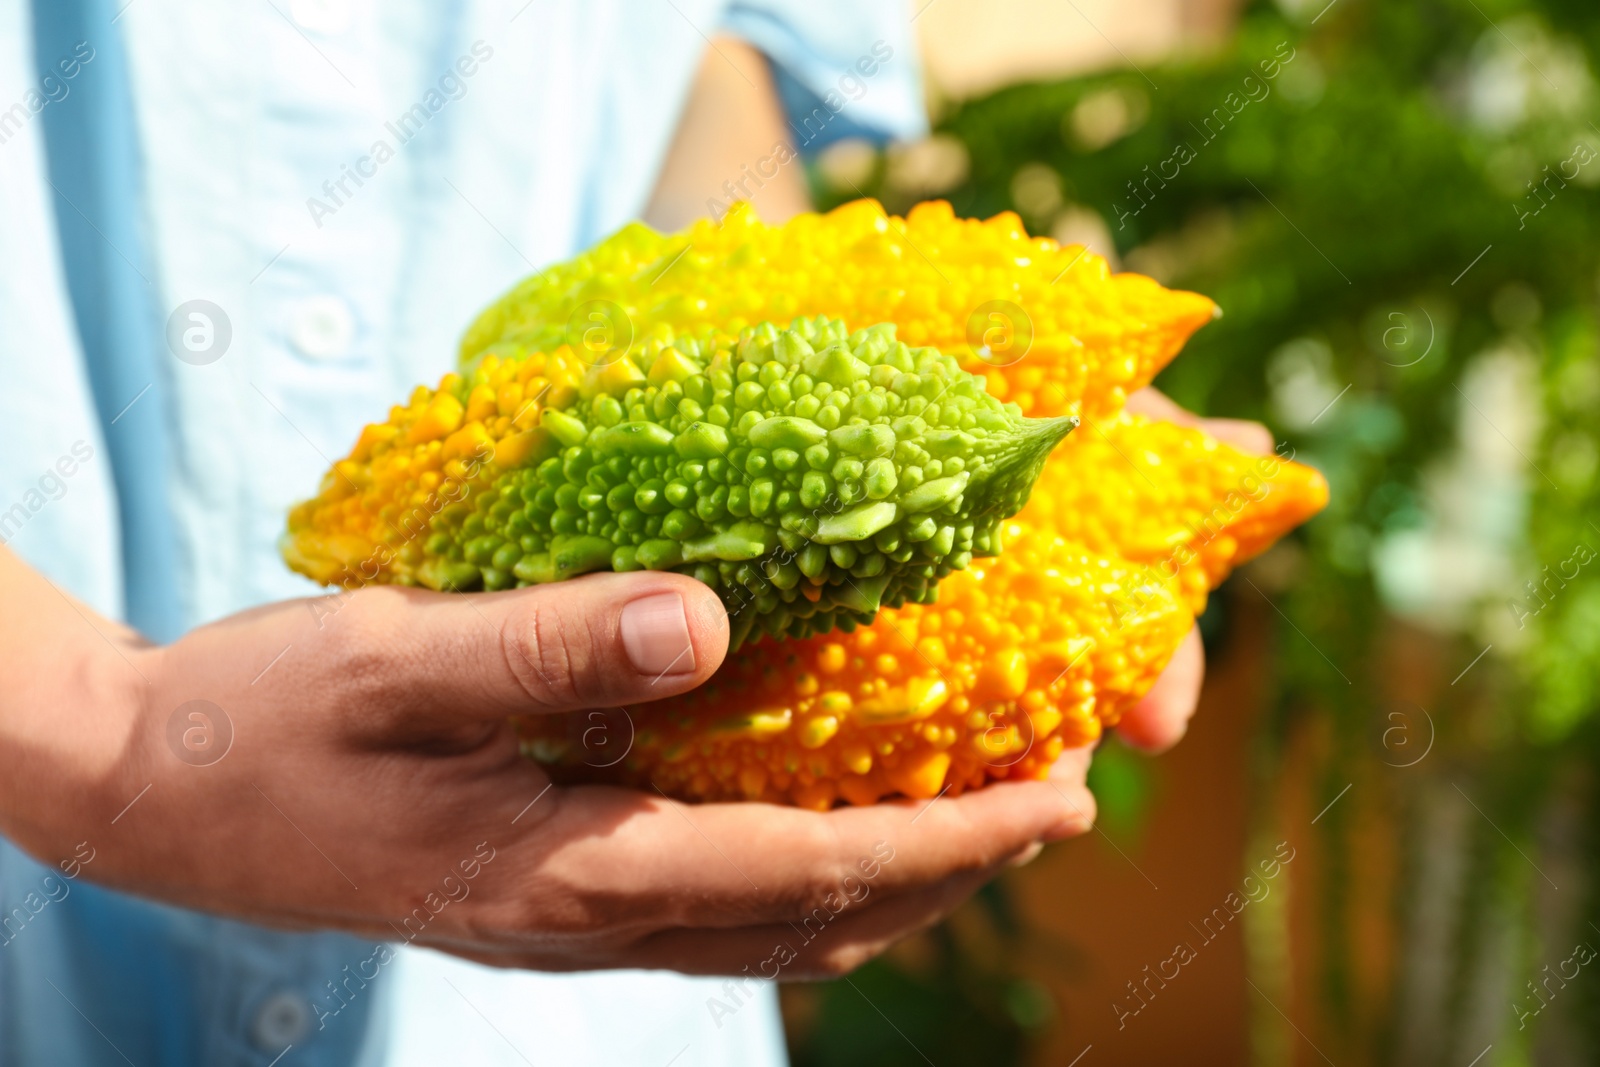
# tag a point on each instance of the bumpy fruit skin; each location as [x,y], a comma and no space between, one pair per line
[1050,327]
[1022,656]
[1130,526]
[809,475]
[1171,498]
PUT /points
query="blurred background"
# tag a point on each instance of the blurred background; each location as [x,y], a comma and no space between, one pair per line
[1380,840]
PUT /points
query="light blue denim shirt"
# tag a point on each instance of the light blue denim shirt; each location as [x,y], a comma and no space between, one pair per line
[341,184]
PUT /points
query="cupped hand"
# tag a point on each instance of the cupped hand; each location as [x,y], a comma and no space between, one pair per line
[346,762]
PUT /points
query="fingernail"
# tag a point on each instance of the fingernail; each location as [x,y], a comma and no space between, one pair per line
[1074,822]
[1027,855]
[1072,826]
[655,633]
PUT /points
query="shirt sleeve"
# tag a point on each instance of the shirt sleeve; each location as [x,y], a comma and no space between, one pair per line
[843,69]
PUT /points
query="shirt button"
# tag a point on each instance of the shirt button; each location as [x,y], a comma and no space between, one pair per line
[322,327]
[321,16]
[283,1018]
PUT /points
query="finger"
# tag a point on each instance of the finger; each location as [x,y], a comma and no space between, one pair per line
[1027,855]
[1152,403]
[1070,774]
[1243,434]
[1246,436]
[1160,720]
[837,935]
[917,843]
[1072,766]
[833,939]
[749,864]
[603,640]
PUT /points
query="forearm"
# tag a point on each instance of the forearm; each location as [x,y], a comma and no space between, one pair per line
[732,143]
[68,705]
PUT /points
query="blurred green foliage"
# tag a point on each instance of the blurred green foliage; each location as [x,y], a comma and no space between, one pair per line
[1398,208]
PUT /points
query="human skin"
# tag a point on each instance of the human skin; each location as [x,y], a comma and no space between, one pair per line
[371,764]
[374,757]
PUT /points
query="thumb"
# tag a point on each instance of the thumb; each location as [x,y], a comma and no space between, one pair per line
[599,641]
[1246,436]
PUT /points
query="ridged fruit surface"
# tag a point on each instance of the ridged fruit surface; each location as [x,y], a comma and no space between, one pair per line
[808,474]
[1099,576]
[1023,655]
[1051,327]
